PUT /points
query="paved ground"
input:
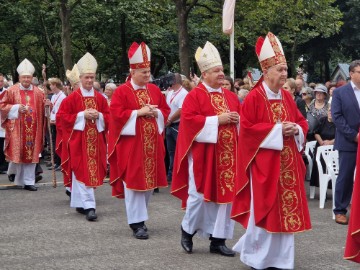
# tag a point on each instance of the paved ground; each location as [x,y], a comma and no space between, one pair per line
[38,230]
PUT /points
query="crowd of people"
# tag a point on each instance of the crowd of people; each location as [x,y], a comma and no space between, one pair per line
[235,147]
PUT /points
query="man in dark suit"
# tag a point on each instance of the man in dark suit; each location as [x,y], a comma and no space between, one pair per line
[346,116]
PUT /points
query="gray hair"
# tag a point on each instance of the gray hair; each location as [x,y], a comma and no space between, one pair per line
[111,85]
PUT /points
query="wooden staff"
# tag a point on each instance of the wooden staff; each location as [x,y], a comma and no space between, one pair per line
[47,115]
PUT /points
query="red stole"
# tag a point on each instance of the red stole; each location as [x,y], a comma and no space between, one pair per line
[136,160]
[279,195]
[214,165]
[352,247]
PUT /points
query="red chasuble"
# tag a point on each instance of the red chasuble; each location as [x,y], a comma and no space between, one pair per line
[82,152]
[23,136]
[137,160]
[214,164]
[352,247]
[280,203]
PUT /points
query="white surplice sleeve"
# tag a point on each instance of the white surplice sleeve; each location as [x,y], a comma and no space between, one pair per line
[209,133]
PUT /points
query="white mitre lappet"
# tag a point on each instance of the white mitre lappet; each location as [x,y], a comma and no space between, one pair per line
[269,51]
[73,75]
[208,57]
[139,56]
[25,68]
[87,64]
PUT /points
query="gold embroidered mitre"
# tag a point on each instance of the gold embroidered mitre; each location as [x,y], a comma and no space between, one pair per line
[87,64]
[269,51]
[25,68]
[73,75]
[208,57]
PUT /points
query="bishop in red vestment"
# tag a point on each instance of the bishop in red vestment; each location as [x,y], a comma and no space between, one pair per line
[352,247]
[22,114]
[83,120]
[270,196]
[205,166]
[138,113]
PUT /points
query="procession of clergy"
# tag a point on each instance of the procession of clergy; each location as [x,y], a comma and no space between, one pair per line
[232,162]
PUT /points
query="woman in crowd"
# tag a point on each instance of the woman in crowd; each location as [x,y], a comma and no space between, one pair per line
[319,106]
[229,84]
[290,86]
[307,96]
[109,90]
[324,135]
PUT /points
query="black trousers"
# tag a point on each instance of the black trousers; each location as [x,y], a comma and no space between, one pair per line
[344,181]
[3,164]
[57,160]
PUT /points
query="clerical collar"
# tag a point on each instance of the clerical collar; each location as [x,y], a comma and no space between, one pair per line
[23,88]
[210,89]
[87,93]
[269,93]
[135,86]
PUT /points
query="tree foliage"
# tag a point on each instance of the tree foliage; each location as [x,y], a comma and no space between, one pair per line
[106,28]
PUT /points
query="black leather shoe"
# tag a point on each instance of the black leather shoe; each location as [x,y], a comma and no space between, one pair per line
[222,250]
[145,228]
[81,210]
[11,177]
[30,187]
[90,214]
[140,233]
[186,241]
[68,193]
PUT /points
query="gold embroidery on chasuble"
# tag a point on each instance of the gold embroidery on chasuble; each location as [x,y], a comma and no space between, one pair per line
[91,140]
[290,210]
[148,131]
[225,147]
[28,126]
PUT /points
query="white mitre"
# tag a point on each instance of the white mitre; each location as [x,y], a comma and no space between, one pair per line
[73,75]
[87,64]
[25,68]
[208,57]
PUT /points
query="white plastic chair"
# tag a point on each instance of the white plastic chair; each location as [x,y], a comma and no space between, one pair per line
[309,153]
[324,177]
[332,165]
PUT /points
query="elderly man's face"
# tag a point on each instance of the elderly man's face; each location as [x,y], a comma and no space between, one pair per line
[214,77]
[1,81]
[25,80]
[140,76]
[276,76]
[87,80]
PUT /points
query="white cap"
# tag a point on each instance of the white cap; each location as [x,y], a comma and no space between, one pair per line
[73,75]
[208,57]
[87,64]
[25,68]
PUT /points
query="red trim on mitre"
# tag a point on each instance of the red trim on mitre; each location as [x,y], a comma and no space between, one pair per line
[134,46]
[259,44]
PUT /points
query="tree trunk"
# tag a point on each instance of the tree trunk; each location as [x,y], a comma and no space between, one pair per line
[124,59]
[65,13]
[327,69]
[17,62]
[182,16]
[292,67]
